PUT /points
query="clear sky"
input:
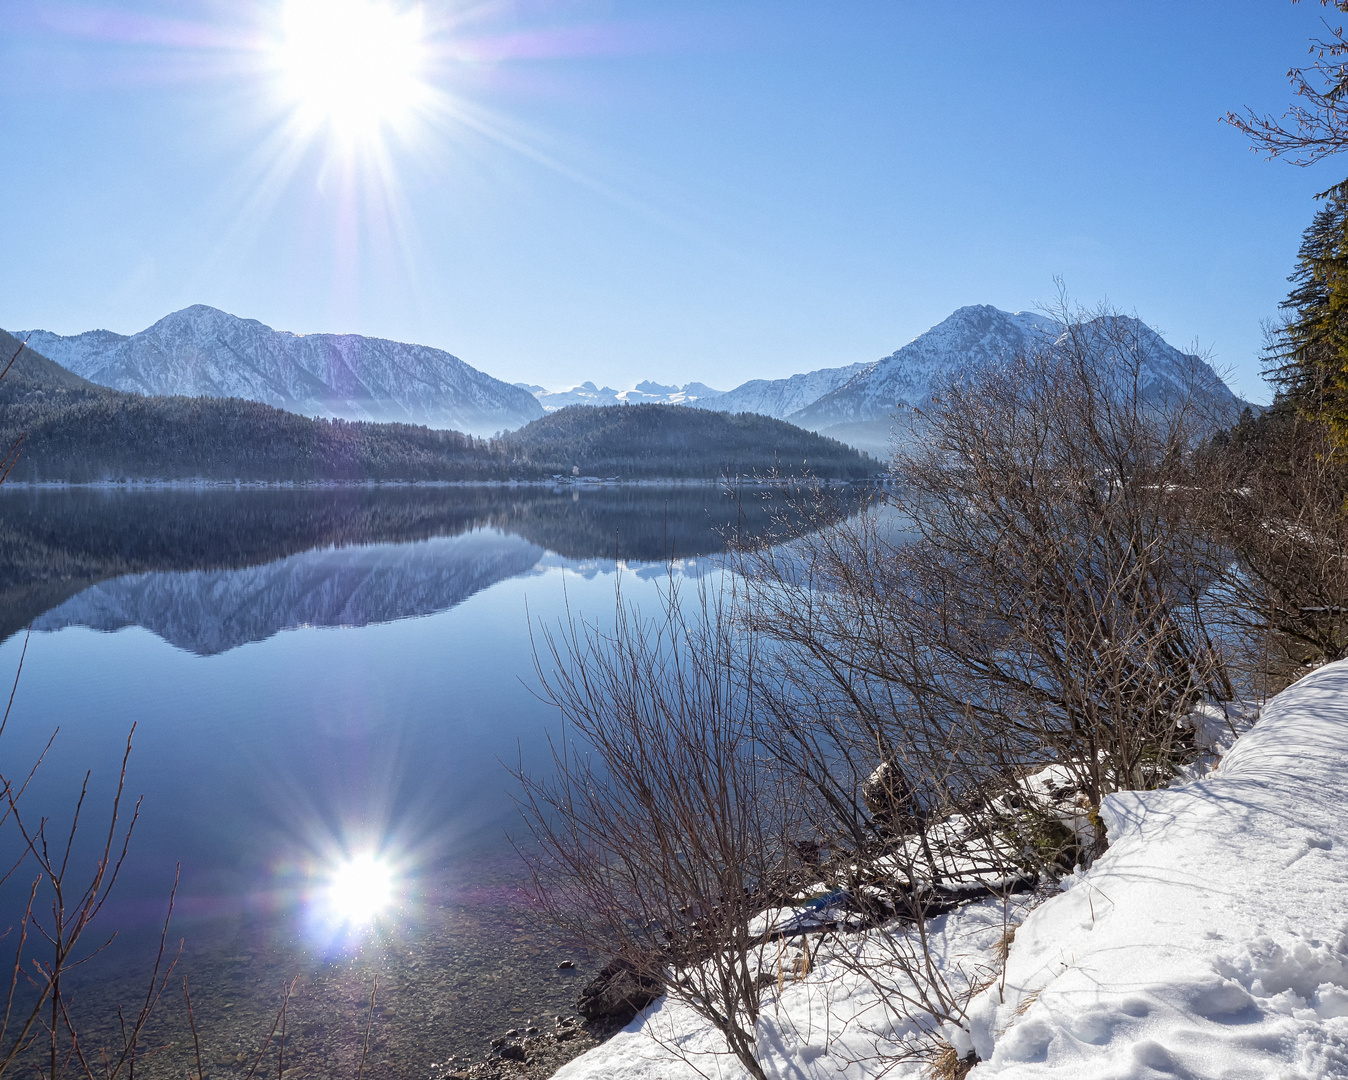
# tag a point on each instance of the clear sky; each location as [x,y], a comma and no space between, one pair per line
[560,190]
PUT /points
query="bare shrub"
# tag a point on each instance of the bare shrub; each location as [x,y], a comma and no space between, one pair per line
[949,1065]
[1030,594]
[917,706]
[660,836]
[1016,630]
[50,937]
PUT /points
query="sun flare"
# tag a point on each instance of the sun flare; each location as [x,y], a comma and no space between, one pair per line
[355,67]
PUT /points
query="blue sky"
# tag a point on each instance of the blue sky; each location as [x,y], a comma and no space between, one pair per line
[695,191]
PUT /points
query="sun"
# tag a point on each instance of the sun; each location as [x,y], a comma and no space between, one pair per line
[354,67]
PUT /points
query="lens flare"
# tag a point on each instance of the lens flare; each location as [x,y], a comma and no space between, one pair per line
[353,66]
[358,890]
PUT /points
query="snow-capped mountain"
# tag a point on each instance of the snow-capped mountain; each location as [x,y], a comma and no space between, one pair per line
[201,351]
[978,335]
[644,393]
[858,403]
[971,337]
[780,398]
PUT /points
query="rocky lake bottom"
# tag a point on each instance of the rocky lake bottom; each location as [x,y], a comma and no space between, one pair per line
[483,969]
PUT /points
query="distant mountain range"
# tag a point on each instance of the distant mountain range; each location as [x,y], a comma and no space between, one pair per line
[201,351]
[784,397]
[644,393]
[970,338]
[860,403]
[864,404]
[73,430]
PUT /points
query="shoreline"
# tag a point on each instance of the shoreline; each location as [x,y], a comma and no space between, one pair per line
[472,967]
[560,485]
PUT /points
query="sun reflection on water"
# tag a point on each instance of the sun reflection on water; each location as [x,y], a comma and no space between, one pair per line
[352,892]
[361,889]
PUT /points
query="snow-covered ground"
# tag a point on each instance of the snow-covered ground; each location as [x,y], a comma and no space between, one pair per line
[1210,941]
[831,1022]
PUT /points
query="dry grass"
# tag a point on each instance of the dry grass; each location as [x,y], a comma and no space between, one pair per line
[948,1065]
[1003,947]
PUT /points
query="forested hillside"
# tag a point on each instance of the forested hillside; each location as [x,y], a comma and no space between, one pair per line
[670,441]
[75,431]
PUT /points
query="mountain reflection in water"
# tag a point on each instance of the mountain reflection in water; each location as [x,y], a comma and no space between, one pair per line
[211,570]
[209,611]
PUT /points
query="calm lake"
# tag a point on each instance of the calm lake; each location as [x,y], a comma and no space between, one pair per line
[326,689]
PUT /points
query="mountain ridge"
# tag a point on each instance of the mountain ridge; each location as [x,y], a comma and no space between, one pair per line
[645,392]
[201,351]
[981,334]
[75,431]
[862,403]
[779,398]
[970,336]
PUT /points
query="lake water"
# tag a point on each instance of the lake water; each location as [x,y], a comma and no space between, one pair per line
[316,677]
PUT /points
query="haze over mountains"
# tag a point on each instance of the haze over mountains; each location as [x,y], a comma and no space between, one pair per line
[644,393]
[784,397]
[203,351]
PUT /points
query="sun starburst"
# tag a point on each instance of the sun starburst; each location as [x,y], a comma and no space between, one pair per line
[355,68]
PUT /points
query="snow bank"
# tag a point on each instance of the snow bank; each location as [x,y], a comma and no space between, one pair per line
[829,1024]
[1212,939]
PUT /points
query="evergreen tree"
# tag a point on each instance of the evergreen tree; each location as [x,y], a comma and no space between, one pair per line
[1308,357]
